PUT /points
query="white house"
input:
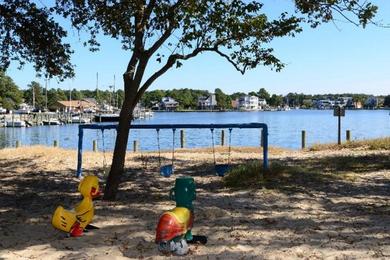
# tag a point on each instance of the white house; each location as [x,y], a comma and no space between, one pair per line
[262,103]
[248,102]
[209,102]
[168,103]
[324,104]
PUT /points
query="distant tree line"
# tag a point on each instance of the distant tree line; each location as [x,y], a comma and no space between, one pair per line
[11,96]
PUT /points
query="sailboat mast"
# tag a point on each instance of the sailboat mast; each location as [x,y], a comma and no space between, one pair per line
[115,103]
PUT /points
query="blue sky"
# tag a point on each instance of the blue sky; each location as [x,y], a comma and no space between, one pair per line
[334,58]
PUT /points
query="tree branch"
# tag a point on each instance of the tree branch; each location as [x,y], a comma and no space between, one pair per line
[171,61]
[169,30]
[242,71]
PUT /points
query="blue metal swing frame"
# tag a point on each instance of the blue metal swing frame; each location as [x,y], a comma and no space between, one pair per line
[262,126]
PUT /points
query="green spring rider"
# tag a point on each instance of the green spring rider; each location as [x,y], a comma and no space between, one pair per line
[174,227]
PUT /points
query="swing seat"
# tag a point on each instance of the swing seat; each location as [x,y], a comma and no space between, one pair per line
[221,169]
[166,170]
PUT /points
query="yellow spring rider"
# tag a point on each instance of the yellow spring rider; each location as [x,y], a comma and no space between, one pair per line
[74,222]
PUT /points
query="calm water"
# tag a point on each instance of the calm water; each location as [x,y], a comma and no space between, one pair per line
[284,129]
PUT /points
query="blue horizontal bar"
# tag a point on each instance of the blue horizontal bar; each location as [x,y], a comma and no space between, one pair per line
[171,126]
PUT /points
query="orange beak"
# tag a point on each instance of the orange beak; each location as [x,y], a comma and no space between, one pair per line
[95,192]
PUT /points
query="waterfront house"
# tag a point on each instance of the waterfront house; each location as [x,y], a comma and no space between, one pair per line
[209,102]
[324,104]
[262,103]
[371,102]
[168,104]
[235,104]
[248,102]
[76,106]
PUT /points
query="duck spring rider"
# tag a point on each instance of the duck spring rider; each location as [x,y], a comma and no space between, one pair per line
[76,221]
[174,226]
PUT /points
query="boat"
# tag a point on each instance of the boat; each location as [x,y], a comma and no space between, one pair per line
[51,121]
[15,123]
[106,118]
[79,120]
[148,113]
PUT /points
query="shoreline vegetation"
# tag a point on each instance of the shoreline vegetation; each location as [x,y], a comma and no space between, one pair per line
[36,96]
[326,201]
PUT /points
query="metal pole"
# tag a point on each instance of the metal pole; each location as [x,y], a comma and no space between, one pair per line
[79,152]
[222,137]
[265,148]
[261,138]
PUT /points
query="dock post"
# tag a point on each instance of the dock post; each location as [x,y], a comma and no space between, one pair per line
[94,145]
[182,138]
[348,135]
[222,137]
[303,139]
[55,143]
[135,146]
[17,144]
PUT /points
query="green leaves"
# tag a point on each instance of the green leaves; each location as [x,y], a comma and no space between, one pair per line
[30,34]
[10,94]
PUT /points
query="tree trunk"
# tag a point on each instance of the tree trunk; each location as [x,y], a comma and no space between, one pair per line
[118,160]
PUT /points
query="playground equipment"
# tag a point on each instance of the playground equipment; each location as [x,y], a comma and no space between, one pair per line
[174,126]
[174,227]
[75,222]
[166,170]
[221,169]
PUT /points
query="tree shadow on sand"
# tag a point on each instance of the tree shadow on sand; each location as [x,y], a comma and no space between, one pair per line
[315,208]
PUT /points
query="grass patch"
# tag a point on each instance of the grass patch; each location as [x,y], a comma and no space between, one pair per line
[252,175]
[373,144]
[297,175]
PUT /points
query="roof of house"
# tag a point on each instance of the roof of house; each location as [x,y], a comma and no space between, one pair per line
[76,103]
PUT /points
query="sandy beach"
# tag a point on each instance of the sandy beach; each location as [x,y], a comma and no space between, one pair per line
[338,207]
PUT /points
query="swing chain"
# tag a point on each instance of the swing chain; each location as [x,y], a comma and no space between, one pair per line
[104,155]
[212,142]
[173,146]
[159,149]
[230,144]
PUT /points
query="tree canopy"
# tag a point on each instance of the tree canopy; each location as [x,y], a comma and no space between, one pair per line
[236,30]
[10,95]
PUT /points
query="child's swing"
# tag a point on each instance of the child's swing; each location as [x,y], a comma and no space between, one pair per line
[166,170]
[105,168]
[221,169]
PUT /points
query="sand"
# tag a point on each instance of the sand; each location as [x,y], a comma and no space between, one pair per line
[327,218]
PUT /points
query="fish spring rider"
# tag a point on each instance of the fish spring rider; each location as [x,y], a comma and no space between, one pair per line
[173,230]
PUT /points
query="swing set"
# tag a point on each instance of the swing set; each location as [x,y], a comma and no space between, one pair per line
[168,169]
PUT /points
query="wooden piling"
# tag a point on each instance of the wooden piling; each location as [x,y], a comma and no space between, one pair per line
[348,135]
[17,144]
[182,139]
[303,139]
[222,137]
[55,143]
[135,146]
[94,145]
